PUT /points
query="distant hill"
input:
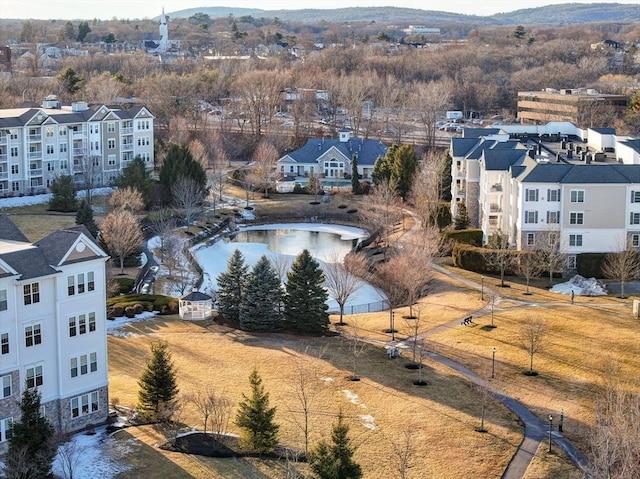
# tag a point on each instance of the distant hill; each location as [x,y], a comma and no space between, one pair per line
[566,13]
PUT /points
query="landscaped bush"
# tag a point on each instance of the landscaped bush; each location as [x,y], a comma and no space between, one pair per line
[125,285]
[148,302]
[471,236]
[129,311]
[468,257]
[589,265]
[444,216]
[138,308]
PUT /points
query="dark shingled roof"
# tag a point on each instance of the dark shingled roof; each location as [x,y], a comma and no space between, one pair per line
[479,132]
[57,244]
[28,262]
[10,232]
[604,131]
[583,174]
[195,296]
[633,144]
[462,146]
[367,151]
[501,159]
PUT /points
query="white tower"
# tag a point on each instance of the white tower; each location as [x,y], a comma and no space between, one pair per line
[164,33]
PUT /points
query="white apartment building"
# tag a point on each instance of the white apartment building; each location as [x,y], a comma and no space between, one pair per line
[96,142]
[529,194]
[52,327]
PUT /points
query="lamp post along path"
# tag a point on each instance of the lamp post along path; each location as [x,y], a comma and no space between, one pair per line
[550,429]
[493,363]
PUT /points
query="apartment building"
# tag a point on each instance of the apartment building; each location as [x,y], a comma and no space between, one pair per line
[584,107]
[52,327]
[92,143]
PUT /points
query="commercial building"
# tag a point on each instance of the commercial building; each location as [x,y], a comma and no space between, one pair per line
[91,143]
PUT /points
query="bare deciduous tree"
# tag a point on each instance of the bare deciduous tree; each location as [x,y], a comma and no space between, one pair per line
[426,190]
[122,235]
[70,453]
[128,199]
[262,172]
[187,197]
[622,266]
[529,265]
[381,211]
[531,336]
[357,345]
[498,255]
[304,386]
[339,281]
[403,447]
[552,257]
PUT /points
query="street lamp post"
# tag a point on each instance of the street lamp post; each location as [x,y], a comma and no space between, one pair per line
[482,287]
[393,326]
[550,429]
[493,364]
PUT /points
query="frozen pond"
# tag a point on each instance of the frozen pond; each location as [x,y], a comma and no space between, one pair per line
[323,241]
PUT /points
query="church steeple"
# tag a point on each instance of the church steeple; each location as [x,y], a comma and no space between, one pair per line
[164,33]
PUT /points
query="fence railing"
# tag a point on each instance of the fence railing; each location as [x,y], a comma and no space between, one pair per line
[374,307]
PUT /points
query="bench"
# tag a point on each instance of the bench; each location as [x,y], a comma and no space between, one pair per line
[467,320]
[393,353]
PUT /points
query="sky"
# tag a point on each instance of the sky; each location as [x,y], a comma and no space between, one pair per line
[106,10]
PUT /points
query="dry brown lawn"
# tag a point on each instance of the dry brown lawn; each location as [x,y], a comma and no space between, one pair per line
[379,408]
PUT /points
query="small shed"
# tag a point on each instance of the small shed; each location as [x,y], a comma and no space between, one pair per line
[195,305]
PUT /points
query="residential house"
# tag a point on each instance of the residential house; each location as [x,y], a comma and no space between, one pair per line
[52,327]
[92,143]
[331,158]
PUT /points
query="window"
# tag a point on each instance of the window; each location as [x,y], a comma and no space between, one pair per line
[577,196]
[111,160]
[15,169]
[91,284]
[111,143]
[531,194]
[62,131]
[5,383]
[14,134]
[85,404]
[575,240]
[577,218]
[3,300]
[530,216]
[634,219]
[31,293]
[6,425]
[92,322]
[63,147]
[143,141]
[111,127]
[571,261]
[83,364]
[635,240]
[553,217]
[50,149]
[49,132]
[14,153]
[635,197]
[531,239]
[553,195]
[82,323]
[32,335]
[81,284]
[554,239]
[4,343]
[71,286]
[73,327]
[34,377]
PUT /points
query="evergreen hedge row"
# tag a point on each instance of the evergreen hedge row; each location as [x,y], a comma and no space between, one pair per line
[118,306]
[470,236]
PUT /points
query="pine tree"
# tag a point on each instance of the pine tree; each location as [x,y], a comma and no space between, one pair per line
[84,216]
[158,387]
[306,298]
[136,175]
[255,418]
[179,164]
[356,187]
[231,284]
[31,447]
[461,220]
[260,307]
[383,166]
[63,196]
[403,170]
[335,461]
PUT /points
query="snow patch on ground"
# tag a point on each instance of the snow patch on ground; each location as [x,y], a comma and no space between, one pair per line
[368,421]
[327,380]
[114,326]
[352,397]
[94,455]
[39,199]
[581,286]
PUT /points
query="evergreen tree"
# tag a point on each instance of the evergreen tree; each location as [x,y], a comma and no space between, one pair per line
[63,194]
[70,81]
[84,216]
[260,307]
[445,181]
[158,387]
[306,298]
[461,221]
[383,167]
[335,461]
[403,170]
[83,31]
[255,418]
[31,447]
[231,284]
[136,175]
[356,187]
[179,163]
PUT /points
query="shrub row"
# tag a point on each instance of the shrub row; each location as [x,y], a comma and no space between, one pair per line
[132,304]
[471,236]
[589,265]
[473,258]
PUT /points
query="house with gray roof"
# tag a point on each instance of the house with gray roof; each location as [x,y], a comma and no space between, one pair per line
[331,158]
[52,327]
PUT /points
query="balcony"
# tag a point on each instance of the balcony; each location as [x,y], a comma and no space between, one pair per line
[126,131]
[4,175]
[34,138]
[126,146]
[461,192]
[78,151]
[496,188]
[78,133]
[3,139]
[3,157]
[494,208]
[35,155]
[35,172]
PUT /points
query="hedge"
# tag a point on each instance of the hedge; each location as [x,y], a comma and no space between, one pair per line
[589,265]
[125,285]
[142,302]
[470,236]
[472,258]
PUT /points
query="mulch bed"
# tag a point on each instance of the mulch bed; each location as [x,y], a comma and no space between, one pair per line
[208,445]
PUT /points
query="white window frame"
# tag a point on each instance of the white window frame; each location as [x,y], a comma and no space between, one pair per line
[111,144]
[32,335]
[575,240]
[90,401]
[4,343]
[635,196]
[35,374]
[634,218]
[635,240]
[531,239]
[577,218]
[571,261]
[31,293]
[5,384]
[531,217]
[576,196]
[531,194]
[4,302]
[6,425]
[553,217]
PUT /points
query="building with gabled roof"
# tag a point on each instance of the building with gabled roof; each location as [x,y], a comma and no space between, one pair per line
[93,143]
[52,327]
[331,158]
